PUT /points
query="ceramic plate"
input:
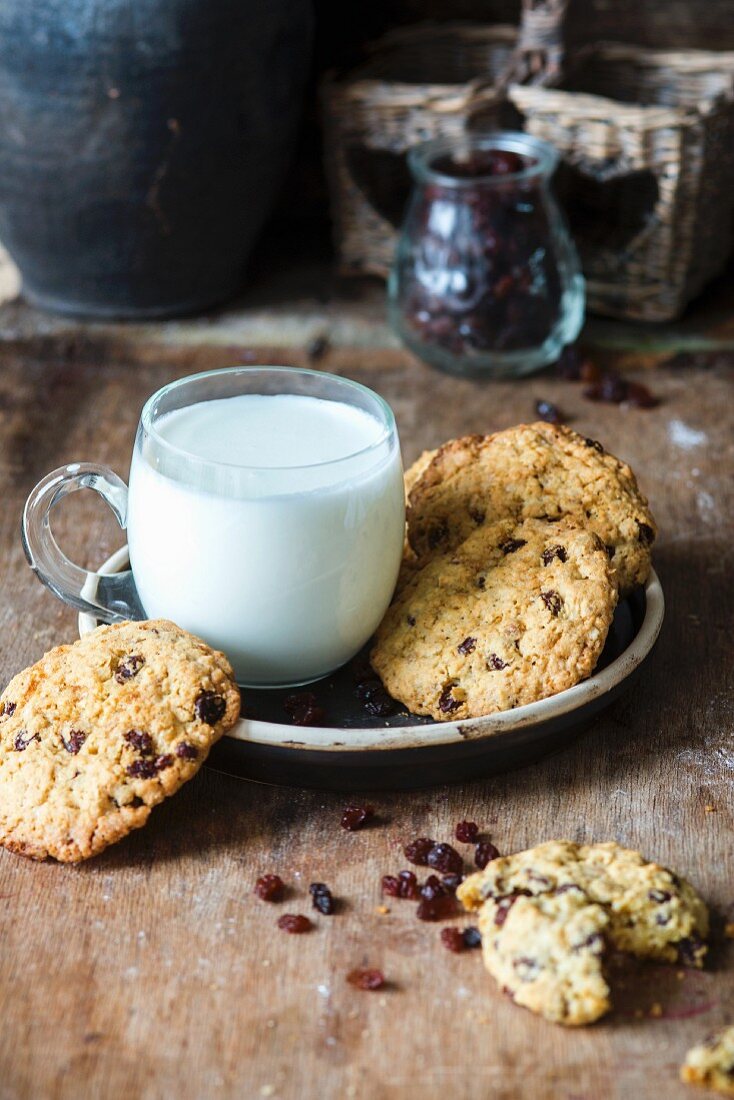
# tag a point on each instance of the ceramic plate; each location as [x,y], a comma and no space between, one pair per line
[354,751]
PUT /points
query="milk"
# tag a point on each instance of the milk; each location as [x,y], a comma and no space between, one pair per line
[271,526]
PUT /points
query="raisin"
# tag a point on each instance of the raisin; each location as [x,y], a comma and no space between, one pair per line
[646,534]
[374,699]
[391,886]
[74,742]
[452,881]
[503,908]
[446,702]
[496,663]
[22,740]
[481,580]
[143,742]
[472,937]
[417,851]
[147,768]
[640,397]
[367,978]
[439,907]
[294,923]
[552,601]
[186,751]
[7,709]
[433,888]
[209,707]
[611,388]
[270,888]
[691,951]
[356,816]
[595,444]
[552,552]
[408,885]
[484,852]
[511,545]
[437,534]
[303,709]
[549,412]
[411,620]
[321,898]
[453,939]
[659,896]
[128,667]
[467,646]
[467,832]
[442,857]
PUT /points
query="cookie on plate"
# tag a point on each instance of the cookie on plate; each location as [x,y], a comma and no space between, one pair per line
[533,470]
[516,613]
[711,1063]
[97,733]
[546,952]
[651,913]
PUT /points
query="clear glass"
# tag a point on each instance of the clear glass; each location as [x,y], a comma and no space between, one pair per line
[486,280]
[286,568]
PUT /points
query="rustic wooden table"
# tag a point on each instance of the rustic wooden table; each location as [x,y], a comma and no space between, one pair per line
[153,971]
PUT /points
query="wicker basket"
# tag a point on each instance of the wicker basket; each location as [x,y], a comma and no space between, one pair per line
[647,140]
[421,82]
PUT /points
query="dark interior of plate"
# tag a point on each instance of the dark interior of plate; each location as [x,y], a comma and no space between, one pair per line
[345,705]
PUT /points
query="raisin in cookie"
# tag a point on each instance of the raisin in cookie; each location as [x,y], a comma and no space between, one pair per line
[516,613]
[546,952]
[651,912]
[97,733]
[711,1063]
[535,470]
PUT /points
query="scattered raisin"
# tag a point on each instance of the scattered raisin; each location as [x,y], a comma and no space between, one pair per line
[472,937]
[433,888]
[442,857]
[552,552]
[408,885]
[356,816]
[209,707]
[496,663]
[453,939]
[270,888]
[7,709]
[303,709]
[446,702]
[294,923]
[321,898]
[417,851]
[74,742]
[366,978]
[552,601]
[22,740]
[511,545]
[467,832]
[640,397]
[128,667]
[549,412]
[143,742]
[186,751]
[439,907]
[374,699]
[485,851]
[452,881]
[467,646]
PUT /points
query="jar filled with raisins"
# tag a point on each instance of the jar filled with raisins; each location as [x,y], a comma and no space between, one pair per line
[486,279]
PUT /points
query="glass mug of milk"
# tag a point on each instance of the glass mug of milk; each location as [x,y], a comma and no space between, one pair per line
[265,514]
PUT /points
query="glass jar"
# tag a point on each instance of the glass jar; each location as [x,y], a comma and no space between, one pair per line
[486,279]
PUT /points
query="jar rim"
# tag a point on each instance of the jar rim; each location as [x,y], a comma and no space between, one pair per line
[545,157]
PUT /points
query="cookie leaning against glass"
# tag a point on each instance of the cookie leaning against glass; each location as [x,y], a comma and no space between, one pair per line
[97,733]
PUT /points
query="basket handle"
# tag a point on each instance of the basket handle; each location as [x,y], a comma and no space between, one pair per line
[537,57]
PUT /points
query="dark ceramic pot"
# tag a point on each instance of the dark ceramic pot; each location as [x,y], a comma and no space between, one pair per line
[142,145]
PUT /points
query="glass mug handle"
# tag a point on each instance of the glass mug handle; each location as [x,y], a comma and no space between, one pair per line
[112,597]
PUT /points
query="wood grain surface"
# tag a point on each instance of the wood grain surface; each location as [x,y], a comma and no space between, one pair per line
[153,971]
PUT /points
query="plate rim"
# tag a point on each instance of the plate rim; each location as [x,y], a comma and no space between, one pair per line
[320,739]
